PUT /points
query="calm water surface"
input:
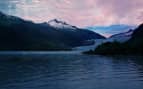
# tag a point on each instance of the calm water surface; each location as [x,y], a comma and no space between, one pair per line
[70,71]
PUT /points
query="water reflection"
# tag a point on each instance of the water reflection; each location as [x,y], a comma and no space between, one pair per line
[72,71]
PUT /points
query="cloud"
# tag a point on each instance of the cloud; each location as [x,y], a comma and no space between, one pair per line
[125,11]
[77,12]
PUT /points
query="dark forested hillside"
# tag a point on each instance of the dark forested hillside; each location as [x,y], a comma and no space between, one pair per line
[18,34]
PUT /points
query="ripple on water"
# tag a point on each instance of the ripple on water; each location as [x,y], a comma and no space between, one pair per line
[74,71]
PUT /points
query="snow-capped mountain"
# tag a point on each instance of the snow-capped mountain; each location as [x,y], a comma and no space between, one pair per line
[112,29]
[121,37]
[20,34]
[60,24]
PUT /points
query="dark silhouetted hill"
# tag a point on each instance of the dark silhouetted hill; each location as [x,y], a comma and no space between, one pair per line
[18,34]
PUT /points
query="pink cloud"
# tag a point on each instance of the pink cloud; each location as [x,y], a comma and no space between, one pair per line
[82,12]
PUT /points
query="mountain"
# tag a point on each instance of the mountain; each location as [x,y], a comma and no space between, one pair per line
[137,39]
[85,36]
[60,24]
[121,37]
[18,34]
[112,29]
[133,46]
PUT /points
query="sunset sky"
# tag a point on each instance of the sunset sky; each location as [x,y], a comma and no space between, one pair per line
[81,13]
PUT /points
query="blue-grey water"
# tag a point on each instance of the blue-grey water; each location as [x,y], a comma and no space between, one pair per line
[70,71]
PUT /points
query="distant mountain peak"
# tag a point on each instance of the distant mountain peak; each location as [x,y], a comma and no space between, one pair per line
[60,24]
[111,29]
[57,21]
[128,33]
[121,37]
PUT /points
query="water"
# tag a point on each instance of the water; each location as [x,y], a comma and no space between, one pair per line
[70,71]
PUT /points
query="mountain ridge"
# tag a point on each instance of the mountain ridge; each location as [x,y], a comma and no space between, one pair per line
[132,46]
[111,29]
[19,34]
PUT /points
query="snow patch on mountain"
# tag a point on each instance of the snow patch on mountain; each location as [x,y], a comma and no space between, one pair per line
[121,37]
[111,29]
[60,24]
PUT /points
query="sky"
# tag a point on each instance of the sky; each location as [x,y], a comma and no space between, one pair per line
[81,13]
